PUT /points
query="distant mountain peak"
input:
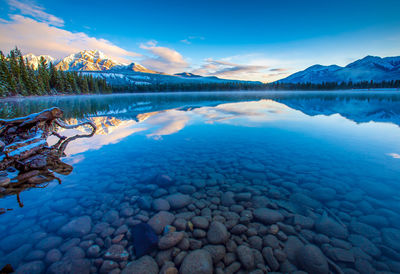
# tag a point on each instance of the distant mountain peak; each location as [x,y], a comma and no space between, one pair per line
[87,60]
[365,69]
[187,74]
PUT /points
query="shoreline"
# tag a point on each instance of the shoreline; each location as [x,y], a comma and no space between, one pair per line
[203,91]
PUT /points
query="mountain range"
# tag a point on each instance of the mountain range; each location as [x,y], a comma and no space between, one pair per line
[368,68]
[97,64]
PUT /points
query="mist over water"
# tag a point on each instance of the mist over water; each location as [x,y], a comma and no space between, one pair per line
[326,163]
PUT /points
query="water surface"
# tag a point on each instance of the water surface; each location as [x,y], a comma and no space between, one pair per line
[328,163]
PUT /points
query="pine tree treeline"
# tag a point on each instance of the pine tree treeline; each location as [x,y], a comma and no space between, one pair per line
[18,78]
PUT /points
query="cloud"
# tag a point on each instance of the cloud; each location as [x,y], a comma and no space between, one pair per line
[41,38]
[278,69]
[223,68]
[189,39]
[37,12]
[163,58]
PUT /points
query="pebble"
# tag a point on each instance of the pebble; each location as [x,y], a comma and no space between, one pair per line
[217,233]
[145,264]
[312,260]
[200,222]
[330,227]
[245,256]
[198,261]
[53,255]
[116,253]
[268,216]
[160,205]
[178,200]
[161,220]
[170,240]
[77,227]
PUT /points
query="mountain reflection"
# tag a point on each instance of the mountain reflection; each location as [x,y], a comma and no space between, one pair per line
[357,106]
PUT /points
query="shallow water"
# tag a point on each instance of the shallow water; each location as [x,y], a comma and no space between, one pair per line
[327,164]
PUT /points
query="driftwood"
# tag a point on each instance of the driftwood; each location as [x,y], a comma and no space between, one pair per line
[24,148]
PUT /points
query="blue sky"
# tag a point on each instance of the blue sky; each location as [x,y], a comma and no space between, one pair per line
[257,40]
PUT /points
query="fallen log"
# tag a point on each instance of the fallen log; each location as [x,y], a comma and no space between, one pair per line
[24,147]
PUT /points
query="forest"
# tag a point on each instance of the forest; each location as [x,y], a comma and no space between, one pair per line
[18,78]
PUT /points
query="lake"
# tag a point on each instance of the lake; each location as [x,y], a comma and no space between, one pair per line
[262,181]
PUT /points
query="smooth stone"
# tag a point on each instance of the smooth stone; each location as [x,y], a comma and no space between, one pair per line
[107,266]
[93,251]
[49,243]
[54,255]
[77,227]
[366,245]
[200,222]
[199,233]
[341,255]
[227,198]
[161,220]
[330,227]
[268,216]
[239,229]
[364,229]
[35,267]
[292,247]
[312,260]
[163,180]
[374,220]
[268,255]
[145,264]
[217,233]
[170,240]
[198,261]
[391,238]
[116,253]
[70,266]
[35,255]
[178,200]
[304,222]
[160,205]
[323,194]
[217,252]
[271,240]
[63,205]
[12,242]
[187,189]
[74,253]
[245,256]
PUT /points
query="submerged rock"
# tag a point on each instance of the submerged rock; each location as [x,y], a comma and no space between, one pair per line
[178,200]
[330,227]
[198,261]
[170,240]
[77,227]
[145,239]
[312,260]
[161,220]
[217,233]
[146,264]
[268,216]
[391,238]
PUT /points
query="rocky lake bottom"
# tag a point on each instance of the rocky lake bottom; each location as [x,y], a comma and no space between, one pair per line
[245,187]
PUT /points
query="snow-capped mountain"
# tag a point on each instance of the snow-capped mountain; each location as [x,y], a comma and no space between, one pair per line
[34,60]
[369,68]
[97,64]
[87,60]
[134,67]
